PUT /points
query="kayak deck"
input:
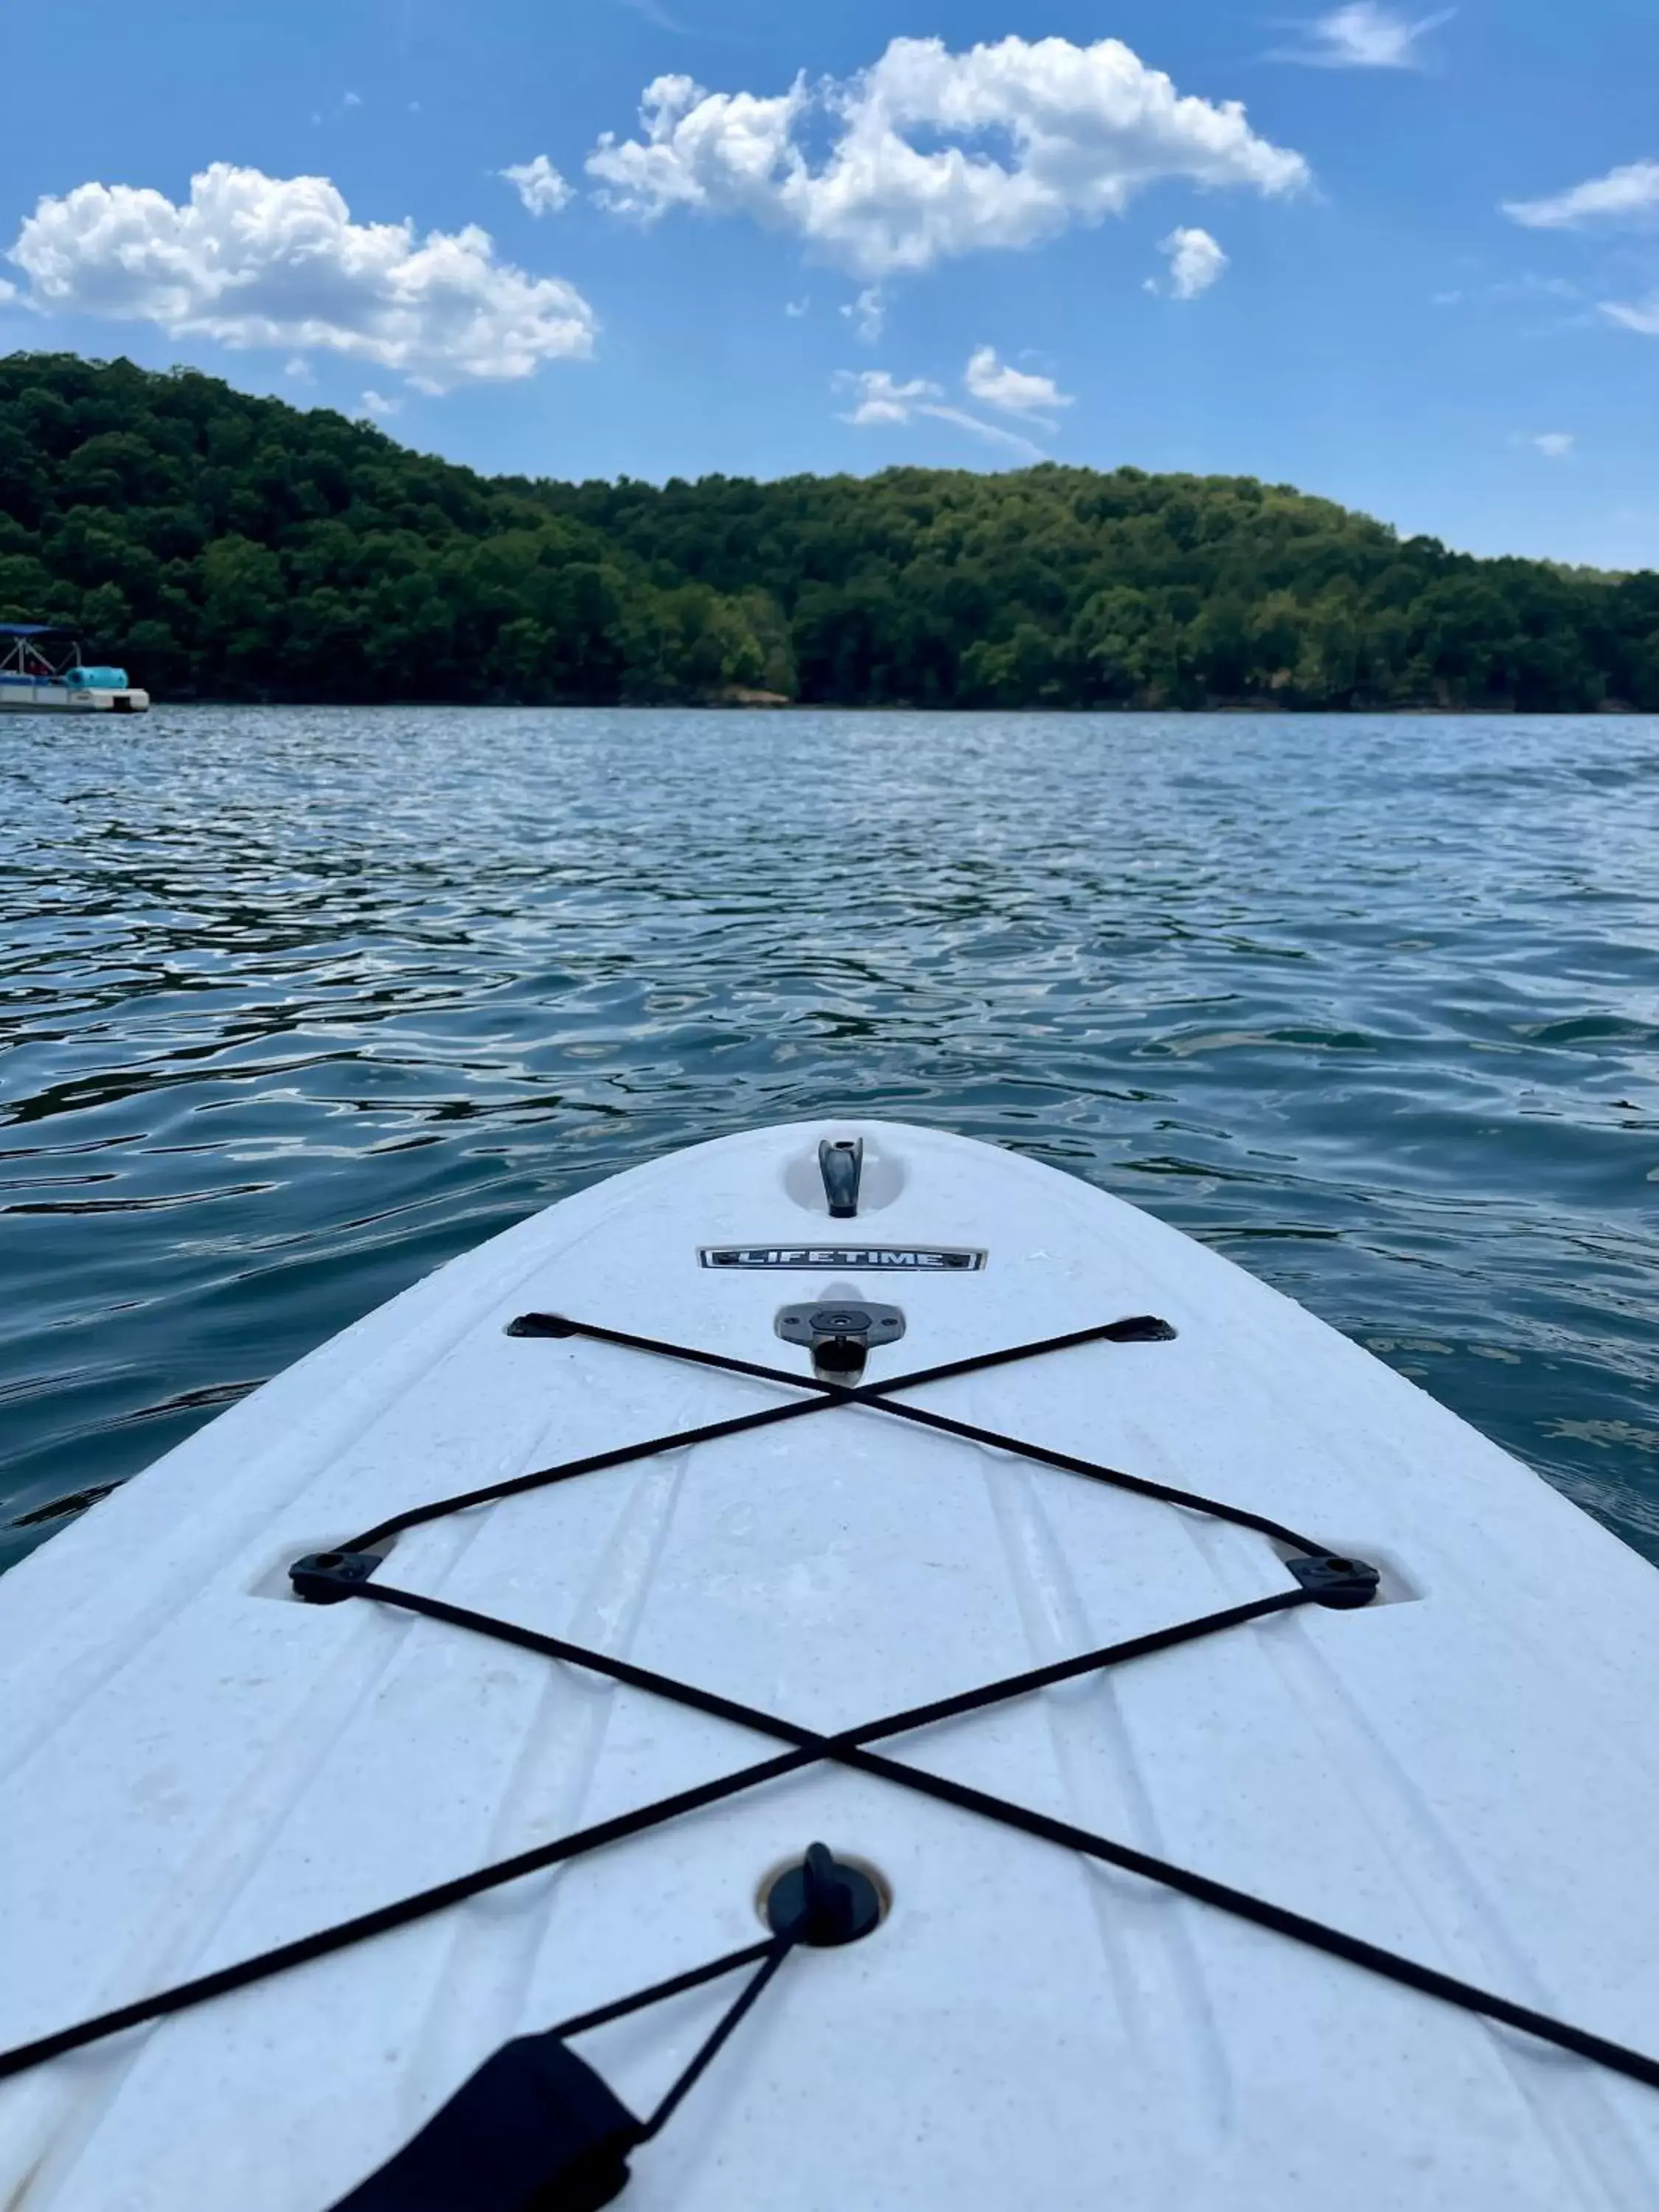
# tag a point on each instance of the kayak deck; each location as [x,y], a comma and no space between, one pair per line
[1460,1771]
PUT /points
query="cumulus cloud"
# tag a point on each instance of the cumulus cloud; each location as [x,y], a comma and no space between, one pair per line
[1627,195]
[882,403]
[796,309]
[7,291]
[724,153]
[252,260]
[374,403]
[933,154]
[1362,35]
[1554,445]
[299,368]
[538,185]
[995,384]
[1195,262]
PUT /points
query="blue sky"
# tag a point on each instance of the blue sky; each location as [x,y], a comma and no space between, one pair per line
[1406,259]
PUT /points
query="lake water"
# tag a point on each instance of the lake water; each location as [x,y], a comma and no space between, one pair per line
[296,1004]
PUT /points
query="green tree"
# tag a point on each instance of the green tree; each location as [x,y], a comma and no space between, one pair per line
[235,547]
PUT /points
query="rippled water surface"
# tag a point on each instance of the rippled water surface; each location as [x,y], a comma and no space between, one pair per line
[297,1004]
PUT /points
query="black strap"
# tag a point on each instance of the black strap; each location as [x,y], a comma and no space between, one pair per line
[536,2129]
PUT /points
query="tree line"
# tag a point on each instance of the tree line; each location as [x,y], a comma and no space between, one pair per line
[231,547]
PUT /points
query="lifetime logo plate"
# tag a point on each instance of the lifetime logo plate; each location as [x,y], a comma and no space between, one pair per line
[887,1259]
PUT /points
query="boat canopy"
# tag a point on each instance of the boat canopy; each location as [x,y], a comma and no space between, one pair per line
[37,652]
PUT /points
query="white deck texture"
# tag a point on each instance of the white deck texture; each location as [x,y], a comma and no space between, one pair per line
[196,1765]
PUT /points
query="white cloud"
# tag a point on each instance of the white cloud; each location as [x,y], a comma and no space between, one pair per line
[1362,35]
[299,368]
[995,384]
[727,153]
[1631,193]
[881,400]
[354,100]
[868,315]
[1641,315]
[795,309]
[252,260]
[1037,135]
[1553,444]
[7,291]
[1627,197]
[540,186]
[1195,262]
[881,403]
[373,403]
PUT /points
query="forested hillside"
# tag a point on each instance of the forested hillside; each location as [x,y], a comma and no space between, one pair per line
[232,547]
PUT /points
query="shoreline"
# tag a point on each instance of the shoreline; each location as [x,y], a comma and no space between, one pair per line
[1616,710]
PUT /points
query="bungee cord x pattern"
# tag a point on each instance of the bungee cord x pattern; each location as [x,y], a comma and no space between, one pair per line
[549,2123]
